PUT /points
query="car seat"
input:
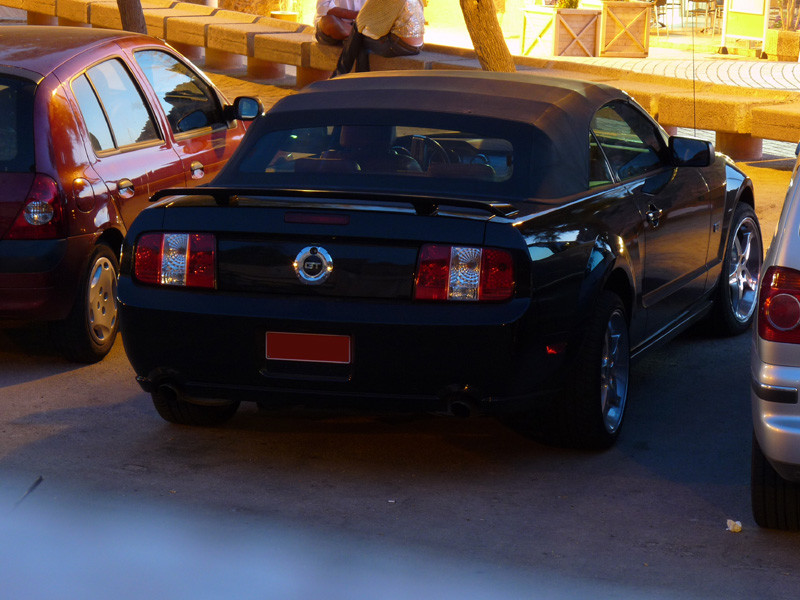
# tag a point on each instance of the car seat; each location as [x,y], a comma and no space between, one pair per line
[372,147]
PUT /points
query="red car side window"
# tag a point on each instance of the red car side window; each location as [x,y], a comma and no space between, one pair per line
[120,102]
[187,100]
[93,115]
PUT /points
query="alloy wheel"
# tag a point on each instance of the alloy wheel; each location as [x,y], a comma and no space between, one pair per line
[614,371]
[102,300]
[745,265]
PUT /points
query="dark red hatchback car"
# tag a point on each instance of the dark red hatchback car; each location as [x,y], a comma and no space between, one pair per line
[92,123]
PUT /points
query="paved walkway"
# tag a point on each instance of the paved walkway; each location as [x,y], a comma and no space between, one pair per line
[724,69]
[679,55]
[682,55]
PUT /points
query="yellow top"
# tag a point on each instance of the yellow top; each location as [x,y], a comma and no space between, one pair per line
[404,18]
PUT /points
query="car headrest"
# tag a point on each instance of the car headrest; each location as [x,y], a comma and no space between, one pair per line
[367,136]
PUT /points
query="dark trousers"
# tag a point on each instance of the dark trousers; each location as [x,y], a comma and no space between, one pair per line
[324,38]
[356,49]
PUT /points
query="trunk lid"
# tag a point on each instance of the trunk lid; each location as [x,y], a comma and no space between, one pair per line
[16,146]
[370,247]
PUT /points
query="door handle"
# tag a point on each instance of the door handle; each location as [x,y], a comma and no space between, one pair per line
[653,215]
[198,169]
[125,188]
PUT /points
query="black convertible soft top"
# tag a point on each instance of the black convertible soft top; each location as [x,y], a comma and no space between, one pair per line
[560,109]
[529,98]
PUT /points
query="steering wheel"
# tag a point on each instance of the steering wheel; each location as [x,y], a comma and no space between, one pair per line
[402,151]
[427,150]
[479,159]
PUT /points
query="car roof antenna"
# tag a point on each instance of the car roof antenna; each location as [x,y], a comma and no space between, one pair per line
[694,81]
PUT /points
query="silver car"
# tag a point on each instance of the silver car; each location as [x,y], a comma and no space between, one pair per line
[775,367]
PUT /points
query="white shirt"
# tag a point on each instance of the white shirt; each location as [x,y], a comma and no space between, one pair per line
[323,6]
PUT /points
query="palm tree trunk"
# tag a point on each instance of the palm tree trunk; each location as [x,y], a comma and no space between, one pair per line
[487,38]
[130,11]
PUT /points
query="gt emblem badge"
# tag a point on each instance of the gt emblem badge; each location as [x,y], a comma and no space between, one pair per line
[313,265]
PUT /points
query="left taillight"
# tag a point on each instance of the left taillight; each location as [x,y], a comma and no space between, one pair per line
[779,306]
[463,273]
[42,214]
[176,259]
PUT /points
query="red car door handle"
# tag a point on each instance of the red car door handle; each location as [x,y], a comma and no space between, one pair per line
[198,169]
[125,188]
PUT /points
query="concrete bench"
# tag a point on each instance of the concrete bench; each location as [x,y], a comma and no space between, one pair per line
[286,47]
[157,18]
[324,58]
[40,12]
[740,117]
[281,44]
[777,122]
[74,13]
[729,114]
[77,12]
[189,34]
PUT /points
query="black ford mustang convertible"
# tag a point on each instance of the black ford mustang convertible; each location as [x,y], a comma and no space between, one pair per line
[456,241]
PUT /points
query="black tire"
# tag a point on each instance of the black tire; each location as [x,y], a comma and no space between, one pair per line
[737,291]
[173,409]
[590,414]
[89,331]
[775,501]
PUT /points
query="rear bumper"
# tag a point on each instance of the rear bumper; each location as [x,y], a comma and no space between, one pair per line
[39,278]
[775,396]
[415,355]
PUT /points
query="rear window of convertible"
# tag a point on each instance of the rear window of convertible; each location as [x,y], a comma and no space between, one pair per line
[411,155]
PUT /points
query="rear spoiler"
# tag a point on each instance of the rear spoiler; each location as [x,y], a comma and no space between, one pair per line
[422,205]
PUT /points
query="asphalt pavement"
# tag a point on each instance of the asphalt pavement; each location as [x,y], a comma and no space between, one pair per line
[297,505]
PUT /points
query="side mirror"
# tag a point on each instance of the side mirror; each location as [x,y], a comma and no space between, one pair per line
[245,108]
[690,152]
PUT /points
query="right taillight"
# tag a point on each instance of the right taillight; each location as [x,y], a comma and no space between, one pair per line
[176,259]
[464,273]
[779,306]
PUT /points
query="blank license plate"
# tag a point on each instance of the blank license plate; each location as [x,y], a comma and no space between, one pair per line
[308,347]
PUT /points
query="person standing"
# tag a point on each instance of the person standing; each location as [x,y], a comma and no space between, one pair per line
[386,27]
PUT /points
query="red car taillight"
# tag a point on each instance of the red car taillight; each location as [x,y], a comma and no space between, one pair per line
[42,215]
[779,306]
[464,273]
[182,259]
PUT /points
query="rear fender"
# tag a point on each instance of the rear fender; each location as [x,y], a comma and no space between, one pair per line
[570,269]
[96,209]
[607,268]
[738,188]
